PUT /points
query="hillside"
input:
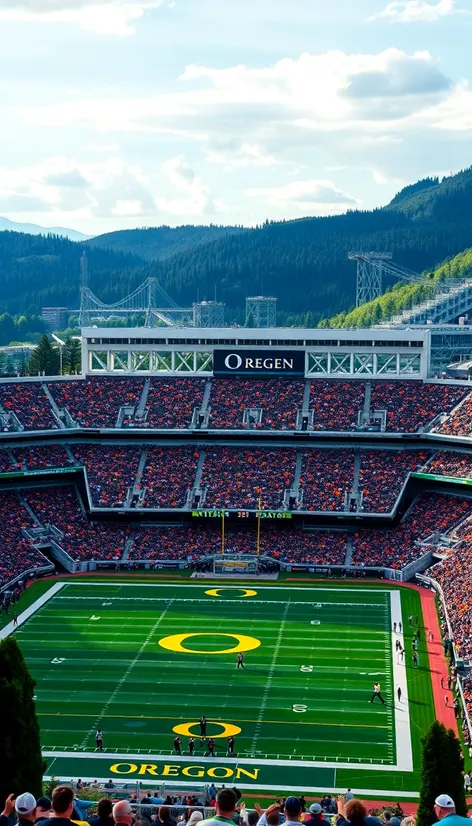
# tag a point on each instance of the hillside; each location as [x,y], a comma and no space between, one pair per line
[35,229]
[402,295]
[304,263]
[159,243]
[40,270]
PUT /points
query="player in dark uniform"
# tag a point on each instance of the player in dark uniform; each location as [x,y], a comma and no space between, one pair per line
[203,727]
[240,663]
[177,744]
[191,745]
[15,620]
[99,740]
[211,747]
[230,745]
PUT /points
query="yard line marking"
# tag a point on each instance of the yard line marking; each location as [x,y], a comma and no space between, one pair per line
[268,684]
[157,717]
[125,675]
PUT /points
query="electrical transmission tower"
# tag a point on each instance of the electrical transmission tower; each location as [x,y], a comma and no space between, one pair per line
[371,267]
[262,311]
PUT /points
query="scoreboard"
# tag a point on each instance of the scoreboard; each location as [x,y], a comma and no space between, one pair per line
[208,513]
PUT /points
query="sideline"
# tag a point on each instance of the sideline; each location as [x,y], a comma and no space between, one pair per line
[437,661]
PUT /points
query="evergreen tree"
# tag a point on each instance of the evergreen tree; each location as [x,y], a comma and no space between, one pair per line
[44,359]
[71,356]
[21,763]
[441,772]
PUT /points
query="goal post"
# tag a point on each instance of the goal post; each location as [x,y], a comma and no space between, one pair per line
[235,564]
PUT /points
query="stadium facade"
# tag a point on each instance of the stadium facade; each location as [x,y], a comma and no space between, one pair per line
[407,352]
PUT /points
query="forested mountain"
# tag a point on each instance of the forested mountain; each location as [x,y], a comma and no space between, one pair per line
[38,271]
[161,242]
[35,229]
[304,263]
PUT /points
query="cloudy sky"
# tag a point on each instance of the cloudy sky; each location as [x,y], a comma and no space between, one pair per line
[124,113]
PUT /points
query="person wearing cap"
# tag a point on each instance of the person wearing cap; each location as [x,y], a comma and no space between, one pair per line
[315,815]
[445,809]
[25,808]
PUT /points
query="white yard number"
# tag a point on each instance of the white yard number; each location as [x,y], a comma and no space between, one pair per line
[315,622]
[299,708]
[307,668]
[94,618]
[106,603]
[58,660]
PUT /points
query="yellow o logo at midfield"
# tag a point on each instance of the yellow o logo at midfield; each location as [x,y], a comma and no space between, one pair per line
[174,643]
[247,592]
[229,730]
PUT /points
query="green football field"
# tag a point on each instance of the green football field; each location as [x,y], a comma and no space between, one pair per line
[144,661]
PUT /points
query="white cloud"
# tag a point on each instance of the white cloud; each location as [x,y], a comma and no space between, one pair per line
[109,17]
[319,196]
[416,11]
[195,197]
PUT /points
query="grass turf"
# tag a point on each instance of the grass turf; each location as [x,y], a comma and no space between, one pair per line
[112,672]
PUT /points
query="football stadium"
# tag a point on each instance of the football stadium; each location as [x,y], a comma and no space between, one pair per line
[241,561]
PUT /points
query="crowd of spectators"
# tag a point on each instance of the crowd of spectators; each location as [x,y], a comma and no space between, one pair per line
[412,404]
[279,399]
[111,471]
[96,401]
[281,542]
[40,457]
[29,403]
[168,474]
[336,404]
[382,474]
[459,423]
[16,553]
[452,463]
[6,462]
[171,402]
[431,513]
[325,477]
[81,538]
[454,574]
[241,477]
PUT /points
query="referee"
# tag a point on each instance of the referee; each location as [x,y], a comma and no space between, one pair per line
[376,693]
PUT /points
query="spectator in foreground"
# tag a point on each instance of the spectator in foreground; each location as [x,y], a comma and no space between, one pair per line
[104,813]
[445,809]
[43,809]
[315,815]
[62,807]
[225,807]
[122,813]
[354,813]
[25,808]
[292,810]
[163,816]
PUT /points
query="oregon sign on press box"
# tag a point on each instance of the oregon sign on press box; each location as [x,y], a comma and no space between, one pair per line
[259,362]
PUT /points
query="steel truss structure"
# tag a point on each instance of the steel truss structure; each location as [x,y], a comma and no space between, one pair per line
[149,299]
[371,267]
